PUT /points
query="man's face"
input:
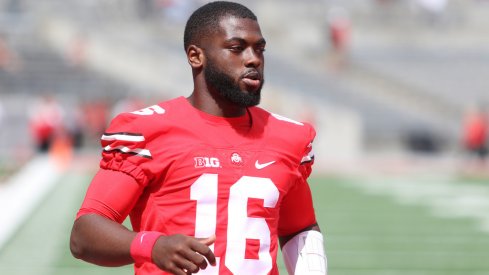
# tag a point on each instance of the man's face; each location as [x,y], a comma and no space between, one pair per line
[234,61]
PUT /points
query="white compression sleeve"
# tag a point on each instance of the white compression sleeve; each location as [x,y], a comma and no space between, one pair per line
[304,254]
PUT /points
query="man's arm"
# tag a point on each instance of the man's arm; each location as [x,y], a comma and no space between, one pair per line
[97,235]
[300,237]
[101,241]
[98,238]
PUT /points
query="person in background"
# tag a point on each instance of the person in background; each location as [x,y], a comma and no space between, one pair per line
[475,132]
[339,32]
[45,121]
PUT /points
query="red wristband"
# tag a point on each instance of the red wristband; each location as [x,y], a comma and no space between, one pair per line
[142,246]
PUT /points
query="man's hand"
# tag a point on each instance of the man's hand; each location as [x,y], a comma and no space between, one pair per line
[182,255]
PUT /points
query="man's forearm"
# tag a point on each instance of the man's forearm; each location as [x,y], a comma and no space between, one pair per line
[101,241]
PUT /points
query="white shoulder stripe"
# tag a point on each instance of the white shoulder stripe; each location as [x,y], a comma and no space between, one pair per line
[123,137]
[279,117]
[137,151]
[308,158]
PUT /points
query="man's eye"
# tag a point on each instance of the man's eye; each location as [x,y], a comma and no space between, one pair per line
[236,48]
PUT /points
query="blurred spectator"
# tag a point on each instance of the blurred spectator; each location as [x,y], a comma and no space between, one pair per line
[339,35]
[46,120]
[475,132]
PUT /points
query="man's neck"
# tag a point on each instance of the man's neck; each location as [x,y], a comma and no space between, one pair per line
[210,105]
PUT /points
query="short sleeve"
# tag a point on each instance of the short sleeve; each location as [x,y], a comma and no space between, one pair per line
[297,210]
[125,148]
[111,194]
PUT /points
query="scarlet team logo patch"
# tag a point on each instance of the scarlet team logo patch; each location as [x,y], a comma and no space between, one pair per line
[236,159]
[206,162]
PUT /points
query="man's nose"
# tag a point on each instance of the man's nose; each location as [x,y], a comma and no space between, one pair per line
[252,58]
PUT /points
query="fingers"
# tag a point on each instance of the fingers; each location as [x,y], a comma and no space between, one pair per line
[188,267]
[181,266]
[202,247]
[181,254]
[196,259]
[187,264]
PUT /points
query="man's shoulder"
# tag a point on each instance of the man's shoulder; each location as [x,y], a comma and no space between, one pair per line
[283,130]
[149,117]
[280,122]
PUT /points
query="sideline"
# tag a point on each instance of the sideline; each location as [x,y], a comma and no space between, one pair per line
[23,191]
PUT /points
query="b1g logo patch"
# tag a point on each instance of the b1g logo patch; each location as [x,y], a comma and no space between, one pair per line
[207,162]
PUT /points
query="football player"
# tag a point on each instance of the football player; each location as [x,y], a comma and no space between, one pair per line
[212,183]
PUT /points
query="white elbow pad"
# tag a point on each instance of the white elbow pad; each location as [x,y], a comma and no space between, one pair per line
[304,254]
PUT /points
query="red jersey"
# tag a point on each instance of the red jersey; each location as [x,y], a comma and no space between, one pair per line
[242,179]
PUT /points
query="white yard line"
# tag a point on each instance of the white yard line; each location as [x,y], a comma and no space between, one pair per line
[21,194]
[444,197]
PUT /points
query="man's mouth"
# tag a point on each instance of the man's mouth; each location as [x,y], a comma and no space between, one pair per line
[252,79]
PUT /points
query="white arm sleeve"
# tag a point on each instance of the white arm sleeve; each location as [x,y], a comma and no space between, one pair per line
[304,254]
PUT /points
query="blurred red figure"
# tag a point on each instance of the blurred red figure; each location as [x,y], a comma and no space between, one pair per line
[339,34]
[475,133]
[46,119]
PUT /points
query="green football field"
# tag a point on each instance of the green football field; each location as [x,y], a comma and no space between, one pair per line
[372,227]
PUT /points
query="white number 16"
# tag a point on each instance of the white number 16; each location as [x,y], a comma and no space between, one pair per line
[240,227]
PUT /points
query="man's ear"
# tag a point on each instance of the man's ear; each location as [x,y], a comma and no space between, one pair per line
[195,56]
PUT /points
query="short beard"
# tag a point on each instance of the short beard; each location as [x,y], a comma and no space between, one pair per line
[228,89]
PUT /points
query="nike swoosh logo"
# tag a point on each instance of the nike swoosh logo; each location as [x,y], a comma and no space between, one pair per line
[263,165]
